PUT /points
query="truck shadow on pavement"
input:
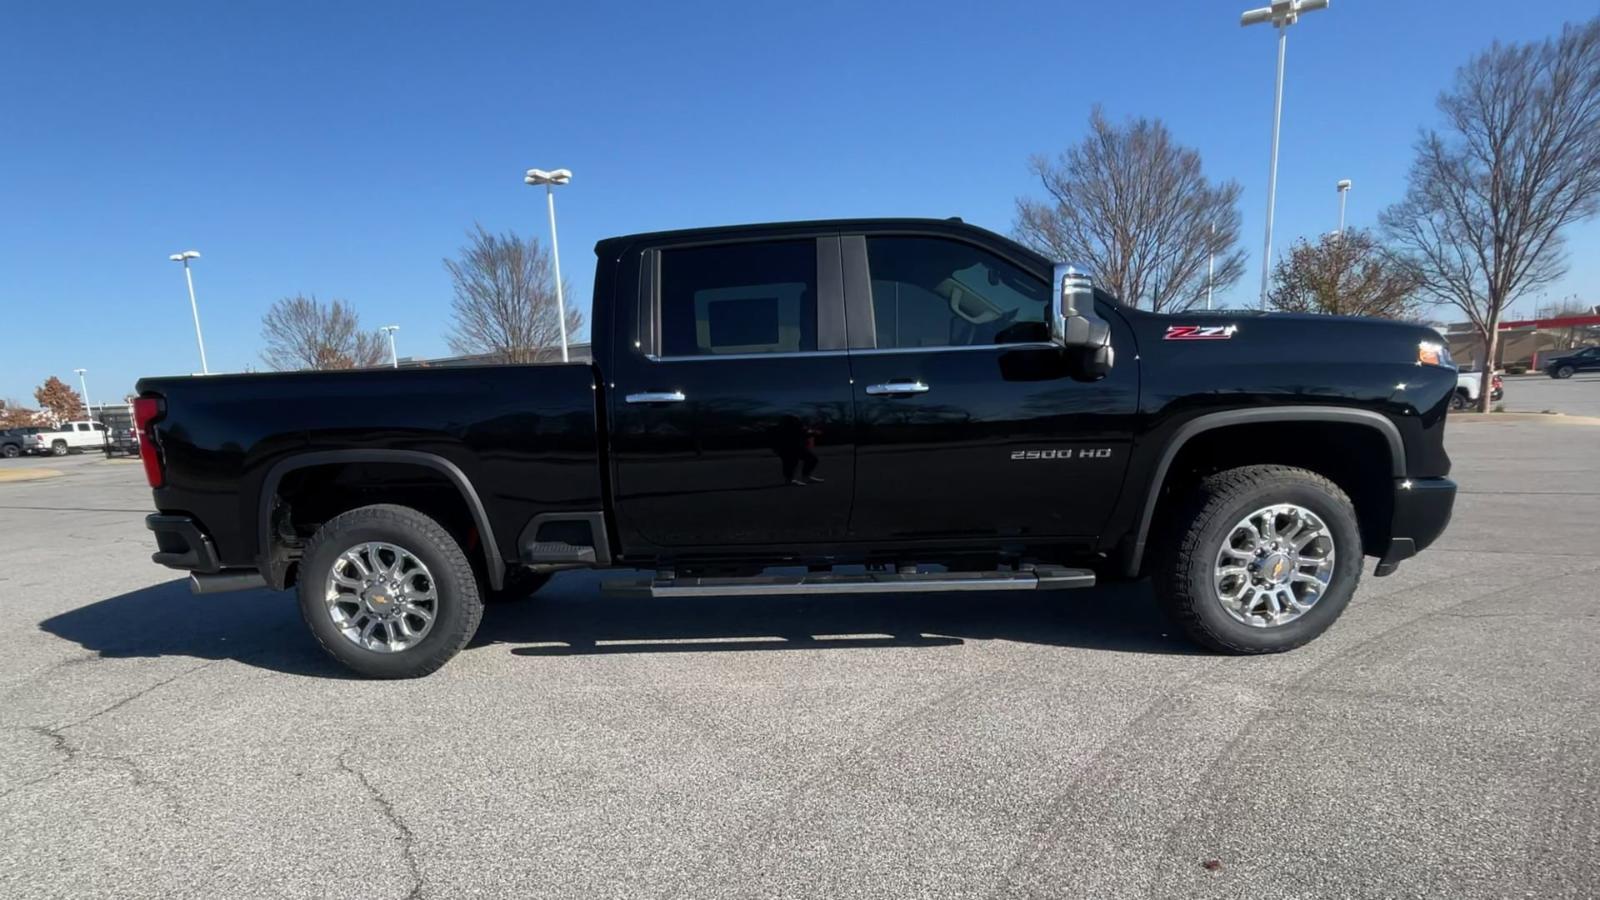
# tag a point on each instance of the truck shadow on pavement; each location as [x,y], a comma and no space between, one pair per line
[260,628]
[263,628]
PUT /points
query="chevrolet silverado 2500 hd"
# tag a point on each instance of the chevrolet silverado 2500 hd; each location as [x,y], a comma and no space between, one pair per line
[840,406]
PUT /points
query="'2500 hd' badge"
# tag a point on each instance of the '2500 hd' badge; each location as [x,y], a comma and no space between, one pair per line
[1200,332]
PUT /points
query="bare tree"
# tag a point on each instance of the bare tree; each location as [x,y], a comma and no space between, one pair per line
[304,333]
[505,299]
[1133,204]
[1518,162]
[1347,274]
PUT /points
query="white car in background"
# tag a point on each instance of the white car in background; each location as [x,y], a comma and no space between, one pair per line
[69,437]
[1469,384]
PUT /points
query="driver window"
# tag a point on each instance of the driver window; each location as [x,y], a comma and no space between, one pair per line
[933,292]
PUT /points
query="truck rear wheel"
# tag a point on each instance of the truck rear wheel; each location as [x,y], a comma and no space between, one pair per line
[388,592]
[1262,559]
[1459,399]
[58,448]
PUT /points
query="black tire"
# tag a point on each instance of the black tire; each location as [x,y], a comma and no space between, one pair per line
[520,584]
[459,608]
[10,451]
[1459,399]
[58,448]
[1562,372]
[1183,578]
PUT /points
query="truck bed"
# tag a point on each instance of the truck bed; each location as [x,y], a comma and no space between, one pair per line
[524,437]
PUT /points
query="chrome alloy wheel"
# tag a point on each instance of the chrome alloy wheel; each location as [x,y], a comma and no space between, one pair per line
[1274,565]
[381,597]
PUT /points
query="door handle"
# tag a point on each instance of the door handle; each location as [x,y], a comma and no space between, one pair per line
[897,387]
[657,397]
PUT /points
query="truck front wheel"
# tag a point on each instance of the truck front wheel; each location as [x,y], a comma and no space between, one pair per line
[388,592]
[1261,559]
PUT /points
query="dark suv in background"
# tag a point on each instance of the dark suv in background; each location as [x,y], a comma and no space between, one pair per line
[1585,360]
[11,441]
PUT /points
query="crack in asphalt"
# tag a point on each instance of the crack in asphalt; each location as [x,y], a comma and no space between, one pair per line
[137,694]
[407,839]
[74,755]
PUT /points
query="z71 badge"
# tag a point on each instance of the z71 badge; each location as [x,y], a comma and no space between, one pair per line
[1200,332]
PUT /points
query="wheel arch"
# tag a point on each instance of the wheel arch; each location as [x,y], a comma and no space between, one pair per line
[494,563]
[1373,423]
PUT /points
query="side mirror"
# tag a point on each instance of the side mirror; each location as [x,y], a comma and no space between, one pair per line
[1074,324]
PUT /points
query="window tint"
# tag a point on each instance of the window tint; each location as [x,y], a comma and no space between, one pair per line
[739,298]
[99,427]
[931,292]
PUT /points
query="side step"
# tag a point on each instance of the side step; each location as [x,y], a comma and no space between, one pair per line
[1041,579]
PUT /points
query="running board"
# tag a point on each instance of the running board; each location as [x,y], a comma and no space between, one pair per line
[1040,579]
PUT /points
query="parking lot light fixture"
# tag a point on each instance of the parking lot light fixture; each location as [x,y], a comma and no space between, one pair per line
[1281,14]
[184,257]
[394,358]
[1344,189]
[88,411]
[550,180]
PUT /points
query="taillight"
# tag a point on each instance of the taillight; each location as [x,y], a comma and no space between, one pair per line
[1496,383]
[146,410]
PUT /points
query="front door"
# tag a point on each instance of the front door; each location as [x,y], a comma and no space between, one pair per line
[732,421]
[969,423]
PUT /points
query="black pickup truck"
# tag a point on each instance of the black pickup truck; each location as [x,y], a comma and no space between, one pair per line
[840,406]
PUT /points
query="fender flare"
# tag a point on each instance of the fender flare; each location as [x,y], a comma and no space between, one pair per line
[1212,421]
[480,516]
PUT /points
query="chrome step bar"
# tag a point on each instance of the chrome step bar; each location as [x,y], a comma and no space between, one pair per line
[1040,579]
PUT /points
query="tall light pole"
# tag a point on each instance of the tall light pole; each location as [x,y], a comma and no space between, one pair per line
[1344,189]
[1211,263]
[394,358]
[88,411]
[550,180]
[194,307]
[1282,14]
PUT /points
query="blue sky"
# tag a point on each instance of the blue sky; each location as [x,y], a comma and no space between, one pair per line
[343,149]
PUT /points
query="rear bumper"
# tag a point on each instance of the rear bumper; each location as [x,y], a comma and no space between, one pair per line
[1422,508]
[181,544]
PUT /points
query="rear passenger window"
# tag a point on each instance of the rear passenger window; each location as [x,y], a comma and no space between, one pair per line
[739,298]
[932,292]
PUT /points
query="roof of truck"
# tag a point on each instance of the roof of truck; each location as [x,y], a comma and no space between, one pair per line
[952,226]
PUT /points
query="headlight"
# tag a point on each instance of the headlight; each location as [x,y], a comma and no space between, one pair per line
[1433,353]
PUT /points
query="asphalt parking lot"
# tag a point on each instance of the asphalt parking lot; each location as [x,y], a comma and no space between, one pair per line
[1442,740]
[1576,396]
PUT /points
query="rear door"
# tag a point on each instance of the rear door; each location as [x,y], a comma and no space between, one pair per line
[731,412]
[971,425]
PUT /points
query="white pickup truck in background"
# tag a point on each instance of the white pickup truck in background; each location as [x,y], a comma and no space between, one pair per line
[1467,387]
[69,437]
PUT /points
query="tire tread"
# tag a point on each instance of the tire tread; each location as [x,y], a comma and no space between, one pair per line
[406,518]
[1200,509]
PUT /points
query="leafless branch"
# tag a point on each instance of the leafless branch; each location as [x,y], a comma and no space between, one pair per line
[304,333]
[1135,207]
[505,299]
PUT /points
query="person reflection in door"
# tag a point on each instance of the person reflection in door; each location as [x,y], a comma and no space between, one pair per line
[796,444]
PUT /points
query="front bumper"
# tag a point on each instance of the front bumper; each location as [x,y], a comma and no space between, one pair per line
[1422,508]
